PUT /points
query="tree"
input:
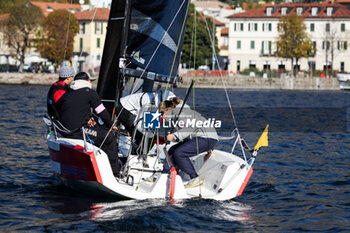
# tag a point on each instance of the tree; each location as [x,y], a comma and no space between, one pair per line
[20,28]
[52,41]
[293,41]
[203,44]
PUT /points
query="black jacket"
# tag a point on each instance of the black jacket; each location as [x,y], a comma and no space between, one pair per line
[56,91]
[76,108]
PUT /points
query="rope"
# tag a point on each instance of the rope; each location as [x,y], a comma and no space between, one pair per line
[110,129]
[222,79]
[177,47]
[66,44]
[194,103]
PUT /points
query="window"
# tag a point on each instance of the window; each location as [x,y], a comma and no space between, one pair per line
[342,65]
[269,11]
[255,27]
[242,27]
[342,45]
[314,11]
[299,11]
[98,57]
[82,28]
[326,45]
[81,44]
[312,27]
[312,65]
[329,11]
[98,45]
[238,44]
[284,11]
[270,27]
[342,27]
[252,44]
[248,26]
[314,47]
[235,27]
[328,27]
[252,64]
[267,65]
[98,28]
[266,47]
[263,27]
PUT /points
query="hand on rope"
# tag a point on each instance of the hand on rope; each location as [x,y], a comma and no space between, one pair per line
[91,122]
[170,137]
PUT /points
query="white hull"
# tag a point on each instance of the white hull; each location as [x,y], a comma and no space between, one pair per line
[344,81]
[225,175]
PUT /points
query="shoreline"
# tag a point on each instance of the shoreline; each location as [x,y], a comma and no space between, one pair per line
[231,82]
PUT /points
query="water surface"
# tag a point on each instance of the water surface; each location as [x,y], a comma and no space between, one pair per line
[301,182]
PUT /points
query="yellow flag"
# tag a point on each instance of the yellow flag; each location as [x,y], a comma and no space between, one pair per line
[263,140]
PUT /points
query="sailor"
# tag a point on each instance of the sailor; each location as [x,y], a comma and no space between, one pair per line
[76,107]
[193,138]
[131,105]
[58,89]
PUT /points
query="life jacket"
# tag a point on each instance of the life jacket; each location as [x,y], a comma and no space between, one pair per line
[56,91]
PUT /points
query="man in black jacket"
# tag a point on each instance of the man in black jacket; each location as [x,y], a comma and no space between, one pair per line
[76,106]
[58,89]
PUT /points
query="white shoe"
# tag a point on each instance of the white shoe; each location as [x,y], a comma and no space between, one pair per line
[194,183]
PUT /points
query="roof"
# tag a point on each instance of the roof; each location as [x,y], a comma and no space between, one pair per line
[101,14]
[48,7]
[224,31]
[210,4]
[342,1]
[339,11]
[217,22]
[4,17]
[229,7]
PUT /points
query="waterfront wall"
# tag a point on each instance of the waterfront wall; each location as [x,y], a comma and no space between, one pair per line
[240,82]
[283,83]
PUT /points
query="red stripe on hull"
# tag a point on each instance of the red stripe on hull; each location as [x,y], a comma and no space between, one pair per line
[245,182]
[76,164]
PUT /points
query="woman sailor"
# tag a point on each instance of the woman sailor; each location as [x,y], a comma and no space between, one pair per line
[131,107]
[193,138]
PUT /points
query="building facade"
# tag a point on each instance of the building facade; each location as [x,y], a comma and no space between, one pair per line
[254,33]
[89,42]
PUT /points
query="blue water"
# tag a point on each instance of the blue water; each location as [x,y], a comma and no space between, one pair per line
[301,182]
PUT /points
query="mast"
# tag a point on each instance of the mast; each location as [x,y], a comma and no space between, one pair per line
[123,48]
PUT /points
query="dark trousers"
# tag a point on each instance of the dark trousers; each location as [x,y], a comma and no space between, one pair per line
[127,119]
[96,135]
[180,154]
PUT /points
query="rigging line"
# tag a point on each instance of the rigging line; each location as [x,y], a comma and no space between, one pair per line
[193,80]
[110,129]
[222,79]
[66,45]
[178,44]
[189,65]
[160,42]
[92,20]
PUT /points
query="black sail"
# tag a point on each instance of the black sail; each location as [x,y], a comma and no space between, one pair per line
[156,35]
[109,70]
[150,43]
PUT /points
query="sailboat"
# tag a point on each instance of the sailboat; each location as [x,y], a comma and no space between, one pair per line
[142,48]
